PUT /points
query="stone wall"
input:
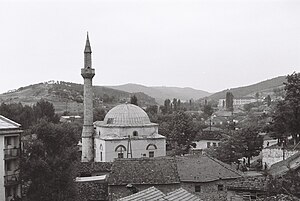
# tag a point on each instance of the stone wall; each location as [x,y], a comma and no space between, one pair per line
[274,155]
[209,190]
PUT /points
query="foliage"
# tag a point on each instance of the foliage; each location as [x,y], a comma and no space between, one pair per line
[50,152]
[26,115]
[134,100]
[287,113]
[229,101]
[285,184]
[245,142]
[208,110]
[179,128]
[99,114]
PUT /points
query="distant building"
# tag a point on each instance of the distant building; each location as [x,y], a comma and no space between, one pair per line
[237,102]
[74,118]
[10,183]
[209,137]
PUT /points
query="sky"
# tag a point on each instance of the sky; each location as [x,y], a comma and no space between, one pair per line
[209,45]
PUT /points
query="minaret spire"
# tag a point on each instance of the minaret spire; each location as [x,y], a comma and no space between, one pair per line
[87,72]
[87,48]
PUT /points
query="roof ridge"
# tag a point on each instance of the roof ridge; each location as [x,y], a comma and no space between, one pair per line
[222,164]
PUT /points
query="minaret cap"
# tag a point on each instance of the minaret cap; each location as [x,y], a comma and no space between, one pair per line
[87,48]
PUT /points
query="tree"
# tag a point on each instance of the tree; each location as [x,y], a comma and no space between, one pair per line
[48,165]
[208,110]
[99,114]
[268,100]
[229,101]
[287,114]
[134,100]
[45,109]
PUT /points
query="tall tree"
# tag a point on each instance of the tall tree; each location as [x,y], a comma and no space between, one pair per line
[287,114]
[134,100]
[229,101]
[50,152]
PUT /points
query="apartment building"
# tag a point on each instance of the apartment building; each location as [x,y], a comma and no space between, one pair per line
[10,152]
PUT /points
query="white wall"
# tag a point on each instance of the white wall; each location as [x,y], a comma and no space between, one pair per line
[125,131]
[202,144]
[271,156]
[138,148]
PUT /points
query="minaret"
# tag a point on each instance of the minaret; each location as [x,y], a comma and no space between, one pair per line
[88,129]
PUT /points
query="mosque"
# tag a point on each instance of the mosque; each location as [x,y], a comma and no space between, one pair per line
[126,131]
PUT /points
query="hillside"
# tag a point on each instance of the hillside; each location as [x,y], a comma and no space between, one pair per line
[162,93]
[69,96]
[264,87]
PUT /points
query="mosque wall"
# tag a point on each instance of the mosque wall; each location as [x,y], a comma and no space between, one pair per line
[111,148]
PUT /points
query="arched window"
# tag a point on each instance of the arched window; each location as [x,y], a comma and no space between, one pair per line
[120,149]
[135,133]
[151,147]
[101,147]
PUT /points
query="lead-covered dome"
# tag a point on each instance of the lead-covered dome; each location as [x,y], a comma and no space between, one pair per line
[126,115]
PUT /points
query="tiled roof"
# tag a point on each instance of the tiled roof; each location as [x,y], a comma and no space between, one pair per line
[126,115]
[6,123]
[153,194]
[209,135]
[160,170]
[202,168]
[249,183]
[181,195]
[282,167]
[280,197]
[93,168]
[149,194]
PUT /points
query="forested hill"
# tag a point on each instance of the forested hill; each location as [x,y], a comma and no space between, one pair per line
[162,93]
[262,87]
[67,96]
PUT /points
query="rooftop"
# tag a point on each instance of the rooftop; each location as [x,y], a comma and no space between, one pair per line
[161,170]
[291,163]
[203,168]
[148,194]
[6,123]
[126,115]
[181,195]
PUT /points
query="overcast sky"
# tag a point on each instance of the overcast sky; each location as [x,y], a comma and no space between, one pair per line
[209,45]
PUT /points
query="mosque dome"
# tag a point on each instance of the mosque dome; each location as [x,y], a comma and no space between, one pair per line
[126,115]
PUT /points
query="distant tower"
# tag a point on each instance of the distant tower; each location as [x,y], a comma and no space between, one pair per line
[88,129]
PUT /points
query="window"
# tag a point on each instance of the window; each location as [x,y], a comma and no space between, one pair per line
[110,121]
[120,149]
[120,155]
[214,144]
[220,187]
[135,133]
[151,154]
[208,144]
[151,147]
[101,156]
[197,188]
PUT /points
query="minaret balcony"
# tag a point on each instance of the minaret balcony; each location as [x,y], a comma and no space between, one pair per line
[87,72]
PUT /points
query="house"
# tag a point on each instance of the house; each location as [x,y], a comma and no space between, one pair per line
[138,174]
[10,146]
[209,137]
[247,188]
[205,176]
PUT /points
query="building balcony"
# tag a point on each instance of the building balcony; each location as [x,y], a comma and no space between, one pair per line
[12,179]
[11,153]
